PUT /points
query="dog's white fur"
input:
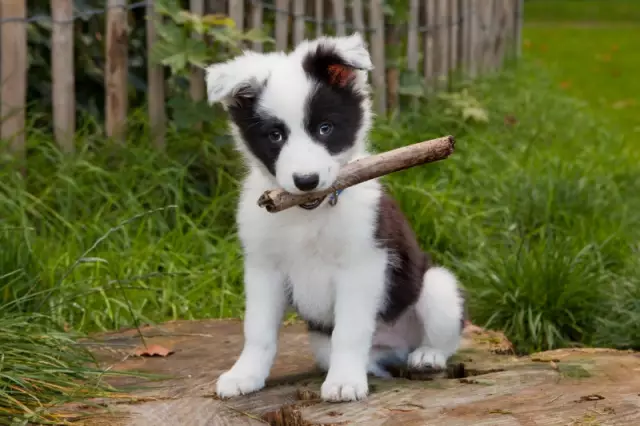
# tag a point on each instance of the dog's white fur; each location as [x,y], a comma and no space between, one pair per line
[326,259]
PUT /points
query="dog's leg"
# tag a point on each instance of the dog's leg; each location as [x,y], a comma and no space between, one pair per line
[359,293]
[265,304]
[321,347]
[440,308]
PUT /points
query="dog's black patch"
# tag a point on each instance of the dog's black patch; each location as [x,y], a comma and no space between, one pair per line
[340,105]
[255,128]
[407,264]
[405,272]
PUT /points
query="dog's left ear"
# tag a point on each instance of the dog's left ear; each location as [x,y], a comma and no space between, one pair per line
[338,61]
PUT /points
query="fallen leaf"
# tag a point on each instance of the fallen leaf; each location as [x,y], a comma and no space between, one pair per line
[510,120]
[565,84]
[615,47]
[152,350]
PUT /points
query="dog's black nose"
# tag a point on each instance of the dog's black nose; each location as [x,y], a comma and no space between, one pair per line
[306,182]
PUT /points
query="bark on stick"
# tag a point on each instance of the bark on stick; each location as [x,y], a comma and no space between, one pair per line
[365,169]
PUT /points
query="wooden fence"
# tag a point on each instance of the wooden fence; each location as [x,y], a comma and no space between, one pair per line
[441,36]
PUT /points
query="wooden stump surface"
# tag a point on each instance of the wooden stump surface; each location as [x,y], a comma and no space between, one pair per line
[485,384]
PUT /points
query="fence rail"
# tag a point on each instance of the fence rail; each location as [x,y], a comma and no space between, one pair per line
[441,36]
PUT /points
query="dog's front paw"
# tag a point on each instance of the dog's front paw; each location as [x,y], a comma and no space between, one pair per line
[233,384]
[427,358]
[345,388]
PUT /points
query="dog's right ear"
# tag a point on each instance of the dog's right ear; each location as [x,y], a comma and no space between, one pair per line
[238,79]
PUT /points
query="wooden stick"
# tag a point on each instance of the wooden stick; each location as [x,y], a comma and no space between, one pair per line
[365,169]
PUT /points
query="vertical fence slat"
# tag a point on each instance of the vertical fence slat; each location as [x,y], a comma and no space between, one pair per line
[62,74]
[519,11]
[454,23]
[494,33]
[358,16]
[236,12]
[487,32]
[412,40]
[412,36]
[428,9]
[116,70]
[155,89]
[196,78]
[282,24]
[340,17]
[439,30]
[257,14]
[14,74]
[298,26]
[474,36]
[501,17]
[376,22]
[460,38]
[319,12]
[445,32]
[465,35]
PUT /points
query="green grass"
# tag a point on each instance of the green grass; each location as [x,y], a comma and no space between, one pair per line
[596,63]
[620,11]
[537,213]
[41,368]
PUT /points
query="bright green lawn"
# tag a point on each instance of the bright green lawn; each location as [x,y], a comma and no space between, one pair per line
[582,10]
[599,62]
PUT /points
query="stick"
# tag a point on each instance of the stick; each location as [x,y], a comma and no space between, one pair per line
[365,169]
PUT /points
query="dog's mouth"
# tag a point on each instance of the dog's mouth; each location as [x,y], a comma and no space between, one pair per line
[310,205]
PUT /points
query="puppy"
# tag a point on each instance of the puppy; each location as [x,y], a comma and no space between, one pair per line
[350,264]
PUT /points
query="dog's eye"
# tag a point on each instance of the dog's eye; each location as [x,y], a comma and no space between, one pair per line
[276,136]
[325,128]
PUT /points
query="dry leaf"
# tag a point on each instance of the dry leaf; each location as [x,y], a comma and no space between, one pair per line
[152,350]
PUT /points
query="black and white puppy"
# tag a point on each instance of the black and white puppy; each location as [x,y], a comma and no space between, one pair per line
[352,269]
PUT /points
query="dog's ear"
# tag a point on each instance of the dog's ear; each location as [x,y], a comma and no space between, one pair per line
[336,60]
[236,80]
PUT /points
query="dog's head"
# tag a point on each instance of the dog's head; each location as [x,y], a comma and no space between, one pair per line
[299,116]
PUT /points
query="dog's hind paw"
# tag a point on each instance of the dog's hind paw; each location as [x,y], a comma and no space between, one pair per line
[427,358]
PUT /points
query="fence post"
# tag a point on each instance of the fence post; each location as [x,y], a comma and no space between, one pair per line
[62,74]
[155,86]
[298,26]
[358,16]
[256,22]
[116,70]
[519,10]
[236,12]
[196,76]
[454,22]
[319,17]
[340,17]
[14,74]
[282,24]
[440,31]
[376,22]
[427,41]
[412,41]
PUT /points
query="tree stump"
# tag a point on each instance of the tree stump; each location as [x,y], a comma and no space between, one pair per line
[486,384]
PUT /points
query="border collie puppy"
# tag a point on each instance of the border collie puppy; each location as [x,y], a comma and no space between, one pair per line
[349,264]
